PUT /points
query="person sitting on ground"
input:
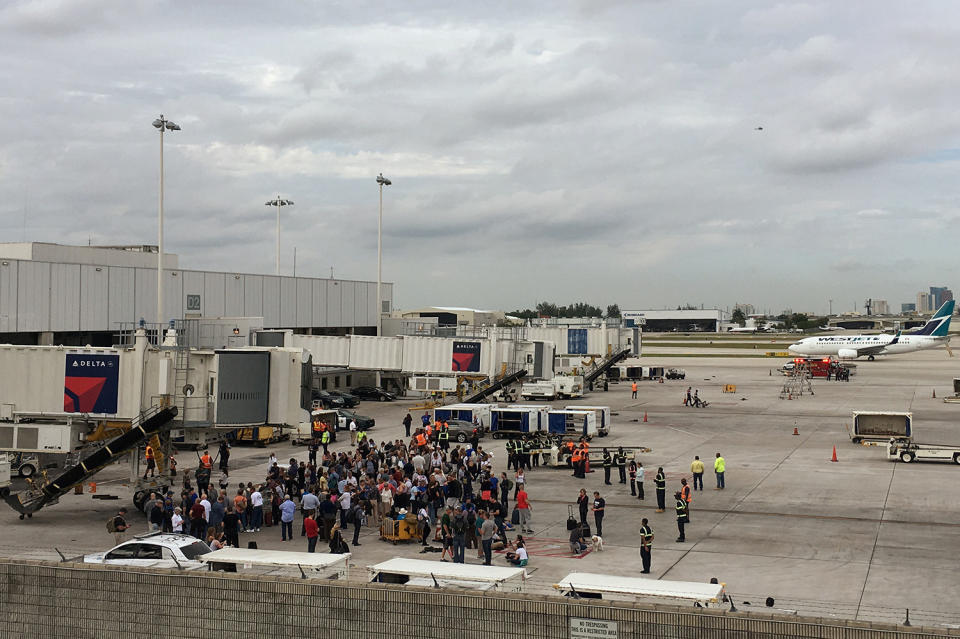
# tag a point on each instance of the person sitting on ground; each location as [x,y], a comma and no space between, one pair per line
[518,558]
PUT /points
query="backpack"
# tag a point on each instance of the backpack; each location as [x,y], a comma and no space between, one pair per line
[351,515]
[112,524]
[459,526]
[506,483]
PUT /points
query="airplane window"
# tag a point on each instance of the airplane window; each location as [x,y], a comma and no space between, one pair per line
[149,551]
[128,551]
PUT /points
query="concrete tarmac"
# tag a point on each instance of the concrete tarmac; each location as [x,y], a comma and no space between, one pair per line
[861,538]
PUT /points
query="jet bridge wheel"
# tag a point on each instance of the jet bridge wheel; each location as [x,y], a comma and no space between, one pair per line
[870,358]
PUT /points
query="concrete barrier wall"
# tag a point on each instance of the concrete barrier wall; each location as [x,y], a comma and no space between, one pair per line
[45,599]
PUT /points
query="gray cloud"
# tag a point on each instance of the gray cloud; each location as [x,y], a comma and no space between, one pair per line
[605,151]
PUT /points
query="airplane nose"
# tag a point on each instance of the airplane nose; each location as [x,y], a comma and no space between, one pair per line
[792,348]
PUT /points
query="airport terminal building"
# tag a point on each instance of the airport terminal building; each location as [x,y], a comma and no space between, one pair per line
[78,295]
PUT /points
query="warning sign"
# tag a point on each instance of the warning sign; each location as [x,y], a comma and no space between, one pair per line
[592,629]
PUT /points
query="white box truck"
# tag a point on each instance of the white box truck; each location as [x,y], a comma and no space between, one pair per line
[560,387]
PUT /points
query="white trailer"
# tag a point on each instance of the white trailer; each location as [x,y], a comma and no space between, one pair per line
[880,426]
[603,417]
[593,586]
[909,451]
[402,571]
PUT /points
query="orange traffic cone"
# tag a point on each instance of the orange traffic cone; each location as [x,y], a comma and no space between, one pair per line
[834,458]
[93,487]
[644,417]
[796,431]
[934,393]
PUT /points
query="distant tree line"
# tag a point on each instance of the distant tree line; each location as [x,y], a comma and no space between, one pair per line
[578,309]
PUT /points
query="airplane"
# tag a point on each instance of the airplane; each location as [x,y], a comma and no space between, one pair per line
[932,335]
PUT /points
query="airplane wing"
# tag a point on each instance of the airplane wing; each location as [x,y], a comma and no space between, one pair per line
[877,350]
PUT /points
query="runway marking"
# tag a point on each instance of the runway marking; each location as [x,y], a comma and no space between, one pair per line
[547,547]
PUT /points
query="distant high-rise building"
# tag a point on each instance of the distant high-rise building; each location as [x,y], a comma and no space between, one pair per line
[746,309]
[939,295]
[908,307]
[880,307]
[924,302]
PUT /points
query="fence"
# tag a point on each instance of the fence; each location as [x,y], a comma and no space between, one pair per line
[54,600]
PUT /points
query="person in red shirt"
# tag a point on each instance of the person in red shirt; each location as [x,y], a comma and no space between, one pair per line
[523,507]
[313,532]
[198,520]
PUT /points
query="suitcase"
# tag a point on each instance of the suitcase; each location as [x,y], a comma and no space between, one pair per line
[515,517]
[585,531]
[571,520]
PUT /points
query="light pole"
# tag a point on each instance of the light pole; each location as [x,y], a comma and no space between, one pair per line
[382,181]
[279,203]
[161,124]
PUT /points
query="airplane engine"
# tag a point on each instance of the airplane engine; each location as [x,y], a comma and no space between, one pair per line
[847,353]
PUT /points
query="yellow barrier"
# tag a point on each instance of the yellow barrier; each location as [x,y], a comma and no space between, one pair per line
[729,388]
[777,353]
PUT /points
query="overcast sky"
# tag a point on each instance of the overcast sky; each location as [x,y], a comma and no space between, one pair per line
[592,150]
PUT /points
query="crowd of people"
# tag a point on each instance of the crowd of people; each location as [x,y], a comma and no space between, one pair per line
[454,496]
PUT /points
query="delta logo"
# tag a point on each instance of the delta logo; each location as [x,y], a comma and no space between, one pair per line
[91,384]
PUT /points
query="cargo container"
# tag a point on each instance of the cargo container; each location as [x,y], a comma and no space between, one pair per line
[260,435]
[432,384]
[466,413]
[578,423]
[603,417]
[878,426]
[517,420]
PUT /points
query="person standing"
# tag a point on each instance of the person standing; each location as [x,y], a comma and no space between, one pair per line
[719,467]
[599,504]
[583,503]
[607,465]
[685,496]
[353,432]
[313,532]
[640,474]
[407,421]
[632,475]
[633,390]
[151,462]
[458,527]
[621,459]
[696,467]
[646,545]
[681,516]
[488,530]
[356,513]
[224,455]
[325,439]
[287,509]
[660,481]
[523,507]
[231,527]
[256,501]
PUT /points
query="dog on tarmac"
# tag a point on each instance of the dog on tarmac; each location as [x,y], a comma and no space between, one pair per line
[596,543]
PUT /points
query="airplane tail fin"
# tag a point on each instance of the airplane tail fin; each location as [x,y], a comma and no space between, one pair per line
[939,324]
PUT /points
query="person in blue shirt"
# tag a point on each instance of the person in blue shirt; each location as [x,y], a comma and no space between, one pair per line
[287,510]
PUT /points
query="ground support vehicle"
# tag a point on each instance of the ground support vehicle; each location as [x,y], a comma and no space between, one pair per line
[909,451]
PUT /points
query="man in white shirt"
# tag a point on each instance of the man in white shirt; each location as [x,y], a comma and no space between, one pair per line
[353,432]
[256,500]
[344,502]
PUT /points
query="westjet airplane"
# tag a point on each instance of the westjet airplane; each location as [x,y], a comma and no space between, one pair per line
[932,335]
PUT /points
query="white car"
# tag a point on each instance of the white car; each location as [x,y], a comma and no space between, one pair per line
[155,550]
